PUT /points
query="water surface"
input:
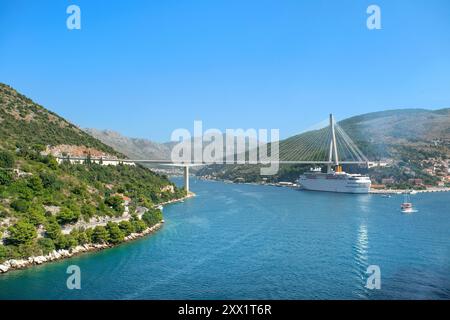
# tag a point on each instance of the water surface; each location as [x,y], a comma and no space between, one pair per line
[261,242]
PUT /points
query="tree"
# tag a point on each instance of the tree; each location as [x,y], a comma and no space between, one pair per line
[152,217]
[51,162]
[115,234]
[20,205]
[88,211]
[49,180]
[115,202]
[35,183]
[139,225]
[6,159]
[46,245]
[36,215]
[52,228]
[100,235]
[83,237]
[21,233]
[126,227]
[65,241]
[5,177]
[4,253]
[67,215]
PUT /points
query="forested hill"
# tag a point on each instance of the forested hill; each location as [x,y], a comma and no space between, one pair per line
[40,198]
[23,122]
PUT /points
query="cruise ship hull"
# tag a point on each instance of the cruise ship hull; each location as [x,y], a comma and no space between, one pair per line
[334,184]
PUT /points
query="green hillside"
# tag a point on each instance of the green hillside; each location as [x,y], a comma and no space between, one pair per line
[23,122]
[39,197]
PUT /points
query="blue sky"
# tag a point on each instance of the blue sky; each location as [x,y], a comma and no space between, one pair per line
[145,68]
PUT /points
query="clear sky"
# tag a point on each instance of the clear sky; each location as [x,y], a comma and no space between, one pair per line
[145,68]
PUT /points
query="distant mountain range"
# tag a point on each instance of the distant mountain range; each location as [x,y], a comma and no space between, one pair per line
[134,148]
[137,148]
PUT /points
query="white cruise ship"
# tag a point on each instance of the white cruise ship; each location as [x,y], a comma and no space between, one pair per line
[335,181]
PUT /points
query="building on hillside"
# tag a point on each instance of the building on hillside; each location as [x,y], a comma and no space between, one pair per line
[168,188]
[379,164]
[417,182]
[388,181]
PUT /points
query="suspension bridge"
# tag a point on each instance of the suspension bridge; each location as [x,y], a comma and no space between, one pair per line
[329,145]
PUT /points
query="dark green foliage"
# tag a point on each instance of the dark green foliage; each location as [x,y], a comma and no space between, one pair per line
[4,253]
[6,159]
[115,202]
[67,215]
[152,217]
[88,211]
[83,238]
[126,227]
[35,184]
[115,233]
[50,181]
[21,233]
[52,228]
[36,215]
[65,241]
[5,177]
[20,205]
[46,245]
[100,235]
[139,225]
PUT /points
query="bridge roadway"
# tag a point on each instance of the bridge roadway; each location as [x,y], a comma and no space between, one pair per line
[188,164]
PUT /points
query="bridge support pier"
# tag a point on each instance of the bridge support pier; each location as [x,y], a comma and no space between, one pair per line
[186,178]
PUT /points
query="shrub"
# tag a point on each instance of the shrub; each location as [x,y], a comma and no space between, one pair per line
[52,228]
[139,225]
[6,159]
[115,202]
[36,215]
[67,215]
[21,233]
[152,217]
[4,253]
[115,234]
[20,205]
[47,245]
[100,235]
[65,241]
[5,177]
[126,227]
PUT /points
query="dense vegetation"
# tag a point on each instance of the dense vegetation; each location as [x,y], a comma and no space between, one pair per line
[39,197]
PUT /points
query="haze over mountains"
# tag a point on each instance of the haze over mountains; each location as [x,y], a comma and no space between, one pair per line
[138,148]
[379,135]
[134,148]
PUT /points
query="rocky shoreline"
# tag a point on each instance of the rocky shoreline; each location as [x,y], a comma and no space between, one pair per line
[56,255]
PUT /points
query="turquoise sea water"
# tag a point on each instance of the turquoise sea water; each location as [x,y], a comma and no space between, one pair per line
[260,242]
